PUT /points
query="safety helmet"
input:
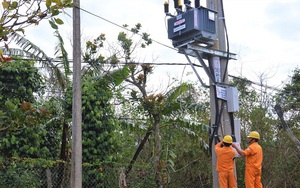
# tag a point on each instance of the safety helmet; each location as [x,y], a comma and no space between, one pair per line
[254,134]
[227,139]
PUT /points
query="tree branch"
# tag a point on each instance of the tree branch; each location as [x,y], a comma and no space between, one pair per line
[279,112]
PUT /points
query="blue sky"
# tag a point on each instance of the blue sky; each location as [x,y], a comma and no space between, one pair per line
[263,33]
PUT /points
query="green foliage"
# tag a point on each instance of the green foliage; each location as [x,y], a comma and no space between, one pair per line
[128,44]
[177,108]
[31,173]
[34,128]
[19,177]
[17,15]
[183,163]
[289,99]
[172,103]
[283,169]
[26,133]
[24,128]
[279,168]
[99,124]
[19,80]
[92,50]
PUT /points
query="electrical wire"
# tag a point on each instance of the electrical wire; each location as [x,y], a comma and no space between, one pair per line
[227,40]
[227,43]
[157,64]
[123,27]
[219,110]
[184,64]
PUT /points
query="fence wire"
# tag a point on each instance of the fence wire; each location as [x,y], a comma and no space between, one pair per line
[41,173]
[57,175]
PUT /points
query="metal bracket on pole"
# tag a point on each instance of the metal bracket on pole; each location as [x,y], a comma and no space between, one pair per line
[201,52]
[211,77]
[194,69]
[191,50]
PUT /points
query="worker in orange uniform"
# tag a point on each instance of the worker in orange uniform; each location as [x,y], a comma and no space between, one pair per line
[225,163]
[254,158]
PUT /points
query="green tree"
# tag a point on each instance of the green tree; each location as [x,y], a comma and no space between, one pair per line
[286,163]
[100,125]
[100,81]
[23,125]
[17,15]
[19,81]
[182,129]
[255,113]
[158,110]
[289,99]
[57,79]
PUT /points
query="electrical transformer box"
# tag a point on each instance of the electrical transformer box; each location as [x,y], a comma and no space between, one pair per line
[196,24]
[232,99]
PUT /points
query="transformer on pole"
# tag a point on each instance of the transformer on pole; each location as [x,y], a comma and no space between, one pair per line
[199,32]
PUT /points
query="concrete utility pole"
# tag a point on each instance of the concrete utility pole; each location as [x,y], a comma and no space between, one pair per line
[76,167]
[200,32]
[216,63]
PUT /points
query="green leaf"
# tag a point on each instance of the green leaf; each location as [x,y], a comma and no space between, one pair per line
[120,75]
[14,5]
[53,25]
[20,29]
[48,3]
[5,4]
[54,11]
[58,21]
[11,106]
[13,139]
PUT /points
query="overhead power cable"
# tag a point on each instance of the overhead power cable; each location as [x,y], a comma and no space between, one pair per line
[156,64]
[123,27]
[93,14]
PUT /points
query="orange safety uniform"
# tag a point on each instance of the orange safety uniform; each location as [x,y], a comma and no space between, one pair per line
[225,166]
[254,158]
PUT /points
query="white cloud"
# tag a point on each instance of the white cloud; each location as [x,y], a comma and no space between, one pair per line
[266,32]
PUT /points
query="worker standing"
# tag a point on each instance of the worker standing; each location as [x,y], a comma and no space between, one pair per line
[254,158]
[225,163]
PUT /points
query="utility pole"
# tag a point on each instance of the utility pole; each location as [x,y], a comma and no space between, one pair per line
[76,166]
[200,32]
[220,63]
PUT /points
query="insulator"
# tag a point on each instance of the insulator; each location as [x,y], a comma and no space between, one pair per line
[166,7]
[176,5]
[179,4]
[180,7]
[197,3]
[187,2]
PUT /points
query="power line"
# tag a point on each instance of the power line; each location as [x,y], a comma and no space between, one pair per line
[256,83]
[123,27]
[252,82]
[106,63]
[173,64]
[154,64]
[139,63]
